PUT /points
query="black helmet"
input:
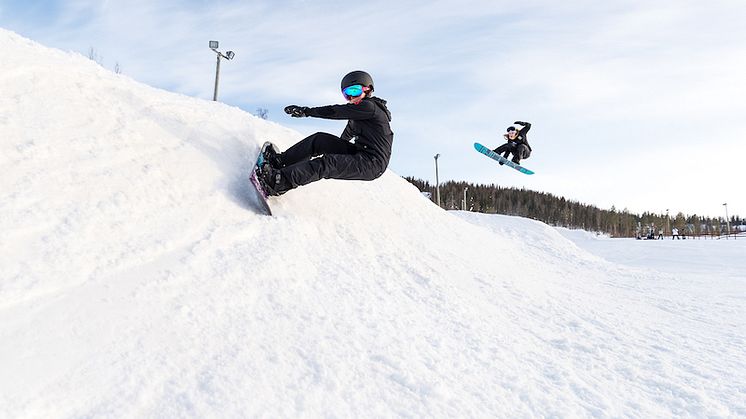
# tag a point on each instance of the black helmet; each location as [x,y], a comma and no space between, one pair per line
[357,77]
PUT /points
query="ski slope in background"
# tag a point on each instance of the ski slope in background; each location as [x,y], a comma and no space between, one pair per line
[137,279]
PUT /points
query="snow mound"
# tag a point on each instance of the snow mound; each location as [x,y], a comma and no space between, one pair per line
[577,235]
[530,237]
[138,280]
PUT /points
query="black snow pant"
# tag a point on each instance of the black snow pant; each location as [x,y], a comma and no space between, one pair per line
[520,151]
[326,156]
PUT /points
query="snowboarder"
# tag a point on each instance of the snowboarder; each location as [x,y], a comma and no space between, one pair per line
[326,156]
[516,143]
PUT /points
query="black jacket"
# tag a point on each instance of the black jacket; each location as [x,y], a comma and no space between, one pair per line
[368,124]
[521,137]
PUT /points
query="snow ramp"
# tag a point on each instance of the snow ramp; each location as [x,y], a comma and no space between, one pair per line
[139,280]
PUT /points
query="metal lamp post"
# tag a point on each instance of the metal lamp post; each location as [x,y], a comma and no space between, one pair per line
[437,181]
[228,56]
[668,221]
[463,207]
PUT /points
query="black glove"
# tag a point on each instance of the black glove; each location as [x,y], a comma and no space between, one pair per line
[297,111]
[519,123]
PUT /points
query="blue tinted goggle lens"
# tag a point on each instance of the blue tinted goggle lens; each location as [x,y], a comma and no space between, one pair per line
[353,91]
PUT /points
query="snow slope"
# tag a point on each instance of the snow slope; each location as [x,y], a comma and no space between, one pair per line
[137,279]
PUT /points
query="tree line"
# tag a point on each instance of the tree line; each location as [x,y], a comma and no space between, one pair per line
[561,212]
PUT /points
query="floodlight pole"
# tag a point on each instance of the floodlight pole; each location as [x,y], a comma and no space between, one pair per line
[229,56]
[437,181]
[217,79]
[465,189]
[668,222]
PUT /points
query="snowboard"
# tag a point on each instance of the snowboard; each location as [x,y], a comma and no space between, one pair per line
[261,194]
[491,154]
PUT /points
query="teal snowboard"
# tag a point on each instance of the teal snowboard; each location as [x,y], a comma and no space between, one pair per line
[491,154]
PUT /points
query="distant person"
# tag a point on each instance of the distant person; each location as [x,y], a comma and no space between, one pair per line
[660,234]
[516,144]
[326,156]
[675,233]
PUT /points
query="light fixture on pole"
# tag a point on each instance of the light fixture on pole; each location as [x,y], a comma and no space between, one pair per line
[228,56]
[437,181]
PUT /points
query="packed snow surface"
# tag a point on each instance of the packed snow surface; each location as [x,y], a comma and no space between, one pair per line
[138,279]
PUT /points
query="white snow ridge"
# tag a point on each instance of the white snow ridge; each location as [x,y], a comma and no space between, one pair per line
[137,279]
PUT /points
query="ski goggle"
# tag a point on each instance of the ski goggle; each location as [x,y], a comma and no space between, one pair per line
[353,91]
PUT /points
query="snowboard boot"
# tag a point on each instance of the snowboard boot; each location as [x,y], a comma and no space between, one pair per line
[272,180]
[516,160]
[272,156]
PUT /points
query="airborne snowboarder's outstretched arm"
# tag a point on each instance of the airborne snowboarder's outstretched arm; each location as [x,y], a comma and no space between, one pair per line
[526,126]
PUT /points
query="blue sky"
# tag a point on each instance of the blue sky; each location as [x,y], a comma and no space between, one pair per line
[634,104]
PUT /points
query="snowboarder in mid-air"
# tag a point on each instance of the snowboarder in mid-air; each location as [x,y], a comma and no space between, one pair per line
[517,144]
[326,156]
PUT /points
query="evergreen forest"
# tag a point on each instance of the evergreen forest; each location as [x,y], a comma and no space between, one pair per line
[561,212]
